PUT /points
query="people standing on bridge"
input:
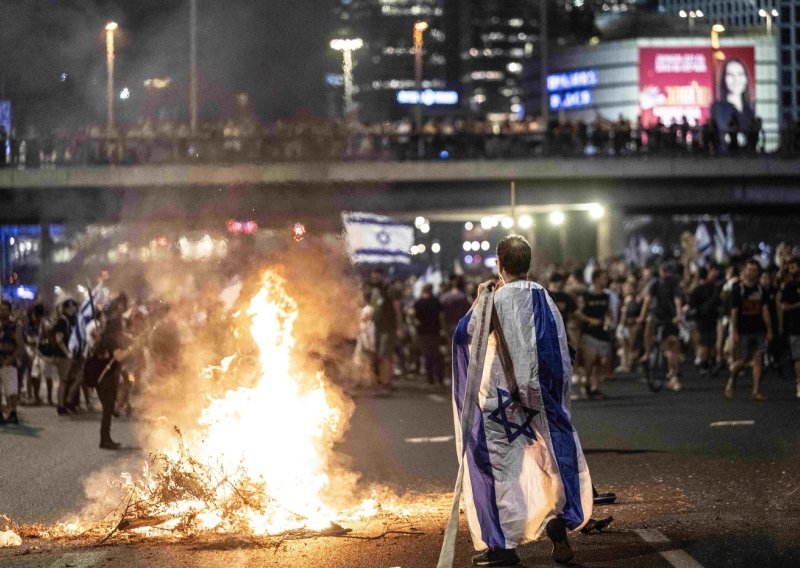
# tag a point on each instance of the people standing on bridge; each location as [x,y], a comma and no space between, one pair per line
[790,312]
[750,329]
[11,347]
[523,468]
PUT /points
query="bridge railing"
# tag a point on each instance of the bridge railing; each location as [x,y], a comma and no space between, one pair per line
[327,146]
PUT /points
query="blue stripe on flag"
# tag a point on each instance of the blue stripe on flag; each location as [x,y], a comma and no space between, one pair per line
[551,379]
[480,466]
[381,252]
[372,221]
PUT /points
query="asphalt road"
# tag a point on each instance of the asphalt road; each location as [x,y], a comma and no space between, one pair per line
[701,482]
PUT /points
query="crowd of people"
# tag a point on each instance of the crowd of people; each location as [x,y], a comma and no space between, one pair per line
[71,354]
[313,139]
[723,318]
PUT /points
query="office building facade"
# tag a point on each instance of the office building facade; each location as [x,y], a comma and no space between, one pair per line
[735,14]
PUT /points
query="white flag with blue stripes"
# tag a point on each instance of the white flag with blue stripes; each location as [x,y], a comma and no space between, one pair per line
[524,462]
[376,239]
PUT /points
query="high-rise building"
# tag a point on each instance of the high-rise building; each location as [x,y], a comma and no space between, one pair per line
[496,38]
[788,23]
[735,14]
[386,64]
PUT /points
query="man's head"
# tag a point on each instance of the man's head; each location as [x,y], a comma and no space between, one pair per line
[69,307]
[427,290]
[5,310]
[794,267]
[514,257]
[600,279]
[376,276]
[665,271]
[556,283]
[750,270]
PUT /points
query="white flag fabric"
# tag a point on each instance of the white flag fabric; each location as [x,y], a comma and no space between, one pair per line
[521,459]
[375,239]
[703,239]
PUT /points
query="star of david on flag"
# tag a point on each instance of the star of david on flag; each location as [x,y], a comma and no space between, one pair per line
[376,239]
[506,400]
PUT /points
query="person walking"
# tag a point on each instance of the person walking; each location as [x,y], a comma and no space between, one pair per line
[428,314]
[790,312]
[521,463]
[751,328]
[11,345]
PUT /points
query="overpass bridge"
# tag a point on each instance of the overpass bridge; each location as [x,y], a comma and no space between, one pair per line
[435,188]
[271,193]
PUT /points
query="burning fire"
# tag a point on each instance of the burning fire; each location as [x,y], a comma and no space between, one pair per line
[258,462]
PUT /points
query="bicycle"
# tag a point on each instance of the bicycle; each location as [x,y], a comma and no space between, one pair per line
[656,367]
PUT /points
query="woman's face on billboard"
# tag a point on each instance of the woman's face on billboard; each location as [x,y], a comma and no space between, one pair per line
[735,78]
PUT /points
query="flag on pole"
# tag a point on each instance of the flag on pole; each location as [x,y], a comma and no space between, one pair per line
[78,338]
[375,239]
[703,239]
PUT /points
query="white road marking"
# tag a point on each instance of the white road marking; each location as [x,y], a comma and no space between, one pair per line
[733,423]
[430,440]
[437,398]
[678,558]
[78,560]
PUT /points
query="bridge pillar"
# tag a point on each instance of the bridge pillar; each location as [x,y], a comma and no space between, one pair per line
[45,262]
[609,234]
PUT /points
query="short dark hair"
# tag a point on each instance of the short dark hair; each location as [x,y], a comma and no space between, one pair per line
[597,273]
[754,262]
[6,302]
[556,277]
[514,255]
[794,260]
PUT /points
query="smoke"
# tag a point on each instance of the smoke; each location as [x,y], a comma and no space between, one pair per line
[54,66]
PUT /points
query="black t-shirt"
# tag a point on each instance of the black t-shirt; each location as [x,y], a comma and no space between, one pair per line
[427,311]
[706,302]
[383,313]
[596,306]
[662,298]
[791,319]
[565,303]
[65,329]
[750,302]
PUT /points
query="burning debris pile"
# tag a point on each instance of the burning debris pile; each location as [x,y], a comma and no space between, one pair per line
[254,460]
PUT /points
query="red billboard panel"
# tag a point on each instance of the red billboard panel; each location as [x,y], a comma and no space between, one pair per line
[691,82]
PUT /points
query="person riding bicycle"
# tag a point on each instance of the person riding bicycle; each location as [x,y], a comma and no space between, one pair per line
[663,303]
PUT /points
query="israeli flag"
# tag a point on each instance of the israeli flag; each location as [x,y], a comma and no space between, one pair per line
[522,462]
[375,239]
[78,339]
[703,239]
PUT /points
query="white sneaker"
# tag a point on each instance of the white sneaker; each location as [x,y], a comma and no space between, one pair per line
[674,384]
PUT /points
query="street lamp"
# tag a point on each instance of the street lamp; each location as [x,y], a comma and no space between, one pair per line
[691,15]
[419,44]
[347,47]
[193,67]
[110,29]
[768,15]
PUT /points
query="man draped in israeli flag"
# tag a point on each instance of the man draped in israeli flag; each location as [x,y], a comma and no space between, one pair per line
[521,465]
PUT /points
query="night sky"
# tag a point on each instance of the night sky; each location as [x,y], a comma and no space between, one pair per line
[275,50]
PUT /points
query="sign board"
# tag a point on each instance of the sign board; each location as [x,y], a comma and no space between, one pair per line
[427,97]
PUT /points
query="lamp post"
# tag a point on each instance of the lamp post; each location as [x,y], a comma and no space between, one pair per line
[347,47]
[691,15]
[419,44]
[768,15]
[110,29]
[193,67]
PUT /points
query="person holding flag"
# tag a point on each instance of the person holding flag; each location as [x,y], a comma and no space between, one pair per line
[522,468]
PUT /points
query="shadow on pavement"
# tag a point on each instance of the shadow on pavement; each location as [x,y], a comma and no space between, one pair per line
[21,430]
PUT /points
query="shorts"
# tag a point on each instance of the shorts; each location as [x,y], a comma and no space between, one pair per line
[603,349]
[749,345]
[794,346]
[707,333]
[9,381]
[51,368]
[668,329]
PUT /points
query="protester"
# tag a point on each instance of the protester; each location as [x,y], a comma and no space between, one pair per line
[523,376]
[428,312]
[790,314]
[663,304]
[61,356]
[750,329]
[11,348]
[597,349]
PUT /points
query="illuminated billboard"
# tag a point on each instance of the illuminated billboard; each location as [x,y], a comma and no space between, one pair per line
[697,83]
[427,97]
[571,90]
